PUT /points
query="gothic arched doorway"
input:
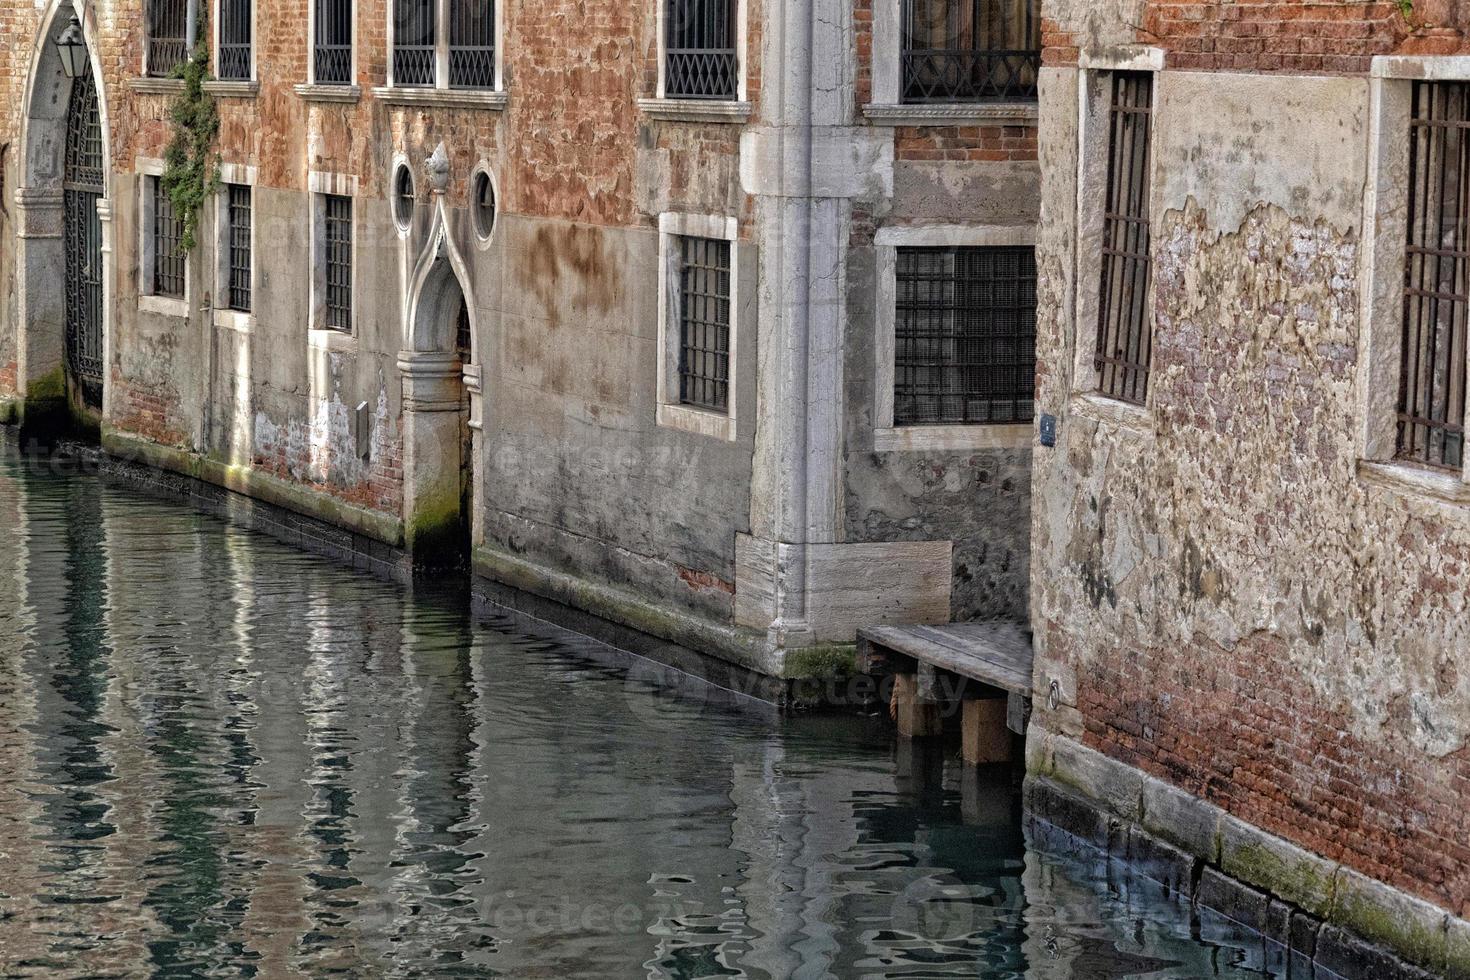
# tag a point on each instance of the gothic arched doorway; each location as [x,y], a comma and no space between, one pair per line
[83,187]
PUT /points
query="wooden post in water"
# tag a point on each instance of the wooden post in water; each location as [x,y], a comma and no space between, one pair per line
[984,737]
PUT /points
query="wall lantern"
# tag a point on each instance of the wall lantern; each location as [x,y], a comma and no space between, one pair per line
[73,50]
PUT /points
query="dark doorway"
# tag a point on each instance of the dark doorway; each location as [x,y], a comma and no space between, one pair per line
[83,188]
[462,346]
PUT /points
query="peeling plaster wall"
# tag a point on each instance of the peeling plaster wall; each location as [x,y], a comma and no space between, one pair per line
[1219,597]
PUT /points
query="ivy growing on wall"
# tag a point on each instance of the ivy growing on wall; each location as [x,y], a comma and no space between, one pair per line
[191,167]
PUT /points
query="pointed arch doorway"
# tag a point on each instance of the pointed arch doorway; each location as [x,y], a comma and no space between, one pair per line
[82,191]
[64,235]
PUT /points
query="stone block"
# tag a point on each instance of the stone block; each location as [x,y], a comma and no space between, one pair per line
[1115,786]
[1277,866]
[1181,818]
[1161,861]
[1232,899]
[1415,929]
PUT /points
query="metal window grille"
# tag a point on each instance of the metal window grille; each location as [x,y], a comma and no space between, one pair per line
[701,61]
[462,333]
[168,41]
[338,261]
[168,260]
[81,191]
[1431,413]
[471,44]
[970,50]
[1124,344]
[704,323]
[414,54]
[333,45]
[236,36]
[239,204]
[965,336]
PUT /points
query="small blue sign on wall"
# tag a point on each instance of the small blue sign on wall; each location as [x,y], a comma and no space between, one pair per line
[1049,431]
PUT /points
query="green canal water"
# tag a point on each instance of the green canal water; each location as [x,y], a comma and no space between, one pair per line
[223,757]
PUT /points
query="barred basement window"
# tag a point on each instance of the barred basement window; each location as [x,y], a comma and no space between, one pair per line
[238,202]
[337,261]
[1124,344]
[168,261]
[704,323]
[700,60]
[168,41]
[413,42]
[471,44]
[1431,414]
[332,52]
[236,34]
[965,344]
[970,50]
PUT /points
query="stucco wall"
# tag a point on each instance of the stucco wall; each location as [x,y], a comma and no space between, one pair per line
[1219,597]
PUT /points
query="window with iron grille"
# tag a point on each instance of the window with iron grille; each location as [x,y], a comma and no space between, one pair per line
[236,36]
[332,46]
[965,336]
[238,206]
[700,57]
[471,44]
[704,323]
[1124,342]
[168,260]
[970,50]
[1431,410]
[337,261]
[414,52]
[168,40]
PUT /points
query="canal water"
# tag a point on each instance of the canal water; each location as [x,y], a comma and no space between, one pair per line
[223,757]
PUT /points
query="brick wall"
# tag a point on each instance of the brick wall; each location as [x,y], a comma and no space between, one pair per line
[1287,36]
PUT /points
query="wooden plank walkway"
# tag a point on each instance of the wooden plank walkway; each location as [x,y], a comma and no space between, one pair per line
[997,654]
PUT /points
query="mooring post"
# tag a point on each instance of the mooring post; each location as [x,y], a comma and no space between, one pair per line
[917,717]
[984,737]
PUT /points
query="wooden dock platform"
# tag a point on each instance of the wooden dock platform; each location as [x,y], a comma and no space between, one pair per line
[995,654]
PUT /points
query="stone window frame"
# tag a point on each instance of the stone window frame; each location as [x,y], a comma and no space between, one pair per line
[1381,288]
[234,87]
[483,242]
[736,111]
[670,412]
[441,94]
[246,176]
[888,437]
[887,107]
[1094,99]
[148,170]
[320,185]
[311,90]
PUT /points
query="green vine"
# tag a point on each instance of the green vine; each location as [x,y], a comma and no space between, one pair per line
[191,172]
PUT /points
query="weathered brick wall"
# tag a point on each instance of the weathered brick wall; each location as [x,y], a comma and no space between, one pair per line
[1287,36]
[1220,598]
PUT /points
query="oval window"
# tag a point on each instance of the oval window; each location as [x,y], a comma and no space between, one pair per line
[483,205]
[403,197]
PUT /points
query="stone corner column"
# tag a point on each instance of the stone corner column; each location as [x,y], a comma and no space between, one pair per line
[433,527]
[40,309]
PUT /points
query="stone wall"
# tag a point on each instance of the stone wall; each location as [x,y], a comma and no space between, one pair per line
[1223,595]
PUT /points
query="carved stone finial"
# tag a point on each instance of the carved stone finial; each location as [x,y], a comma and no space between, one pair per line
[436,168]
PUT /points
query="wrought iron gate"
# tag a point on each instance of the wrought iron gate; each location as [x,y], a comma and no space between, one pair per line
[83,189]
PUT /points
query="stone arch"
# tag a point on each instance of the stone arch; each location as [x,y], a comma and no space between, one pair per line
[441,398]
[40,257]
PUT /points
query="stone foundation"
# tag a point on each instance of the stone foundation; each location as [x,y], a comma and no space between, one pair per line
[1312,910]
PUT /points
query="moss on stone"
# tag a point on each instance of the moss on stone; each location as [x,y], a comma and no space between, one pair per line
[1374,918]
[1305,882]
[820,662]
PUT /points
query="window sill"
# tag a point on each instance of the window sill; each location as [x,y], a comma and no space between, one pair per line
[958,438]
[163,306]
[443,98]
[1100,408]
[696,110]
[234,320]
[1415,481]
[332,341]
[329,93]
[697,421]
[952,114]
[149,85]
[232,89]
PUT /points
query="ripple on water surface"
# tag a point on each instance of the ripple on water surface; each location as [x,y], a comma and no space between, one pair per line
[219,756]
